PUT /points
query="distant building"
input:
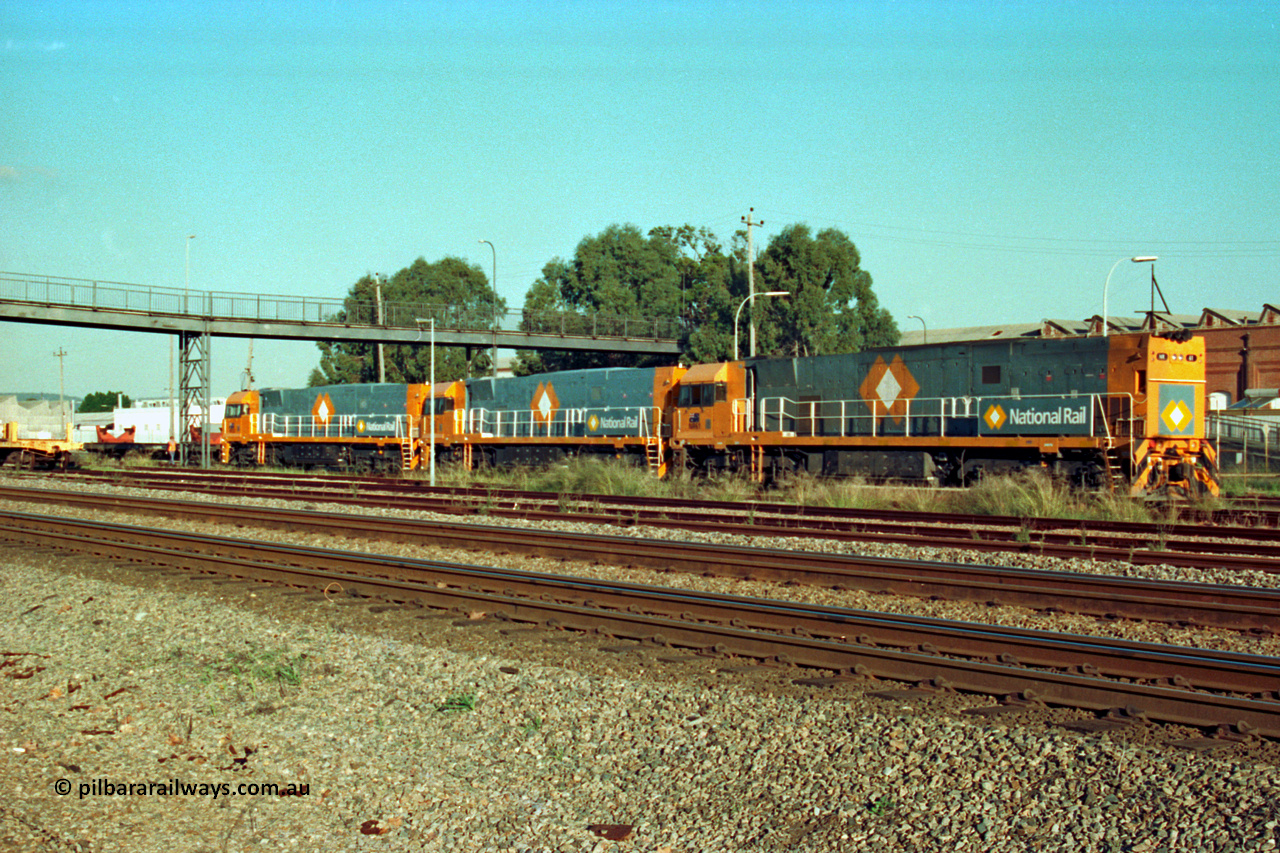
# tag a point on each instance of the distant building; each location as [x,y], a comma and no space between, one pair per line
[1242,348]
[37,416]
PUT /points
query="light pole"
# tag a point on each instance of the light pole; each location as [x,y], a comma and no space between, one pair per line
[493,285]
[431,401]
[1141,259]
[737,314]
[433,404]
[377,296]
[922,326]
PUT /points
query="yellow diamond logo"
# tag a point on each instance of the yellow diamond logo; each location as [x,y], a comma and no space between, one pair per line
[995,416]
[1176,416]
[593,423]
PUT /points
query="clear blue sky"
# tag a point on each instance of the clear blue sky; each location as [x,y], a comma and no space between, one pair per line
[991,160]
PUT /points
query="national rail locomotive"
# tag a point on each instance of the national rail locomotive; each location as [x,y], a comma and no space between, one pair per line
[1120,412]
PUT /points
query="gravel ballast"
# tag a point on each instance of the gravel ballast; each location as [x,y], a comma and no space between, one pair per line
[411,732]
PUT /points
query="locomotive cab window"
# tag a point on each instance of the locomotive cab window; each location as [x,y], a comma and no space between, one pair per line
[704,394]
[991,374]
[443,405]
[233,411]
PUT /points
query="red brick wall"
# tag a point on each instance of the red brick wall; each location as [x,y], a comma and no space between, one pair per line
[1224,354]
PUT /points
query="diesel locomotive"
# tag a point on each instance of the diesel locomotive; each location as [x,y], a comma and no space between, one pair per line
[1124,412]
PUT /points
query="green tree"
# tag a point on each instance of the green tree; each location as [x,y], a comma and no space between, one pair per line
[457,294]
[619,282]
[103,401]
[831,309]
[686,273]
[707,283]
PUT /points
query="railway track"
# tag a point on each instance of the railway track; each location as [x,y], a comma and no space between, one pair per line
[1197,687]
[1191,545]
[1213,605]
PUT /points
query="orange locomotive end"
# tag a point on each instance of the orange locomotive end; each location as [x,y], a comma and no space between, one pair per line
[239,426]
[1164,376]
[441,412]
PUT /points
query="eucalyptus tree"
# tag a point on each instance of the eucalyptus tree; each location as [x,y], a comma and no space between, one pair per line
[831,308]
[619,281]
[455,293]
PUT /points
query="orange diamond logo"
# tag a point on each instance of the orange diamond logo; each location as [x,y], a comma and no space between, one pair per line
[322,409]
[545,403]
[888,387]
[995,416]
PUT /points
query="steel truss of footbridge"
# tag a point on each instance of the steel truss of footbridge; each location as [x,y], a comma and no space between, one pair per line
[140,308]
[196,317]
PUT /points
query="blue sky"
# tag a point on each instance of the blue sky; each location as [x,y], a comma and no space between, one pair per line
[991,160]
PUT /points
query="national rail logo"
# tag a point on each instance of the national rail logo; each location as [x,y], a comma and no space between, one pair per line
[545,403]
[1176,416]
[995,416]
[322,409]
[889,387]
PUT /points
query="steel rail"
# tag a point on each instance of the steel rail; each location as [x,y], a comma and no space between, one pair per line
[1175,545]
[1215,605]
[1199,524]
[800,634]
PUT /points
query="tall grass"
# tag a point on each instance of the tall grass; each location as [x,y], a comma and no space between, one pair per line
[1027,494]
[1237,485]
[1023,495]
[1035,494]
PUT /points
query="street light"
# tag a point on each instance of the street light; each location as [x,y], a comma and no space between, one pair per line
[922,326]
[431,403]
[737,314]
[1141,259]
[493,284]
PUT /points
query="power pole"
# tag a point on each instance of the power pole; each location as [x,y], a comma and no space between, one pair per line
[751,280]
[62,406]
